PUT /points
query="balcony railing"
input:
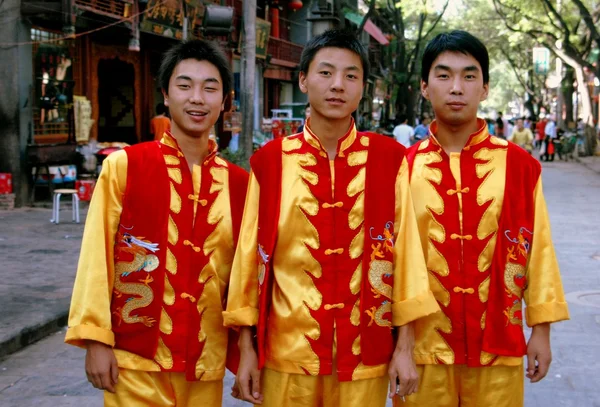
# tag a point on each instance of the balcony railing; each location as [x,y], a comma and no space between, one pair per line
[109,8]
[283,50]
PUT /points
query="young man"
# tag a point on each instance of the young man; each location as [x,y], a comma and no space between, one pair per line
[403,133]
[318,275]
[306,116]
[422,130]
[157,250]
[484,228]
[501,126]
[522,136]
[160,123]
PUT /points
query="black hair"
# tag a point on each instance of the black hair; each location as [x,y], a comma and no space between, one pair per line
[401,118]
[307,106]
[344,39]
[456,41]
[161,109]
[199,50]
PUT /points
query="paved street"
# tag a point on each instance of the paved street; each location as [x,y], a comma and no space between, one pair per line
[49,373]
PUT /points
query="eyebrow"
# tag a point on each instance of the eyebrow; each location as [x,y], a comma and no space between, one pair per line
[470,68]
[329,65]
[187,78]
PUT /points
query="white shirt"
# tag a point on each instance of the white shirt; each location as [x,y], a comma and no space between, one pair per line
[403,133]
[550,129]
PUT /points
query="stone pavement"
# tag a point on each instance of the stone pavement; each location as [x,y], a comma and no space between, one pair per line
[38,260]
[591,162]
[49,373]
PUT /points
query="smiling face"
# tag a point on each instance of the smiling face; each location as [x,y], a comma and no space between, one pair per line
[195,98]
[334,83]
[455,88]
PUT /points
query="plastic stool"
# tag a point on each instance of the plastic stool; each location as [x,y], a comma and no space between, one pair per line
[56,204]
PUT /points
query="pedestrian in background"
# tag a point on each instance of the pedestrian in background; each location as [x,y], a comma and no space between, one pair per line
[422,130]
[160,123]
[157,250]
[403,133]
[486,237]
[306,117]
[522,136]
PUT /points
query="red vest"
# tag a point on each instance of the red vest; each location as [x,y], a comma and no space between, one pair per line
[383,164]
[503,333]
[141,248]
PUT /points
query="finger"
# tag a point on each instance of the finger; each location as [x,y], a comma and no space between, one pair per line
[530,364]
[404,385]
[107,382]
[114,369]
[96,380]
[393,384]
[244,387]
[256,385]
[542,371]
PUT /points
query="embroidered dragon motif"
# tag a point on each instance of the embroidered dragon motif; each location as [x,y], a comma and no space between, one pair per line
[141,293]
[514,274]
[510,314]
[377,270]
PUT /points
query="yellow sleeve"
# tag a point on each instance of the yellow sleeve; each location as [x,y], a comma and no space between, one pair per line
[412,298]
[242,299]
[544,294]
[89,317]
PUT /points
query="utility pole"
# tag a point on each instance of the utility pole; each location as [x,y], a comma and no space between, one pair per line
[248,71]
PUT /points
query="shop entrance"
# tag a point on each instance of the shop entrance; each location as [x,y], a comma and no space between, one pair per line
[116,101]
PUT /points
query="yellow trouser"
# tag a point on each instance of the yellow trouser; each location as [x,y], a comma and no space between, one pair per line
[161,389]
[459,385]
[298,390]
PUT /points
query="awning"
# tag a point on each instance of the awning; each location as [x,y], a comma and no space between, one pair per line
[370,27]
[376,32]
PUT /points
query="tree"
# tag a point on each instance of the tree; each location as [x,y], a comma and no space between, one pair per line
[248,82]
[411,24]
[567,29]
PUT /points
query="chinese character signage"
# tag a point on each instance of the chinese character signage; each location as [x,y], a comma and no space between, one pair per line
[541,60]
[263,31]
[166,18]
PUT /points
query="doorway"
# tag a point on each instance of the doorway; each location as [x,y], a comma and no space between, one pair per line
[116,101]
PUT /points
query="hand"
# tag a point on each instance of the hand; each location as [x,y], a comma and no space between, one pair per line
[404,379]
[101,366]
[539,355]
[235,391]
[247,380]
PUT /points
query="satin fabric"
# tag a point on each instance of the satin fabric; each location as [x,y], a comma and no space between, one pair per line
[462,386]
[320,244]
[297,390]
[162,389]
[90,317]
[458,201]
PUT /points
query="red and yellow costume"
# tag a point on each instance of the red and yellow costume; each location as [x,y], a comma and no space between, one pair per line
[154,267]
[319,270]
[486,236]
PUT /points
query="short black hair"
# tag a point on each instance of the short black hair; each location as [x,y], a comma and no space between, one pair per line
[199,50]
[337,38]
[161,108]
[307,106]
[401,118]
[456,41]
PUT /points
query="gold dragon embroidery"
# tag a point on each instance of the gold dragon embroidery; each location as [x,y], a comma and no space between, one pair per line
[377,270]
[142,293]
[515,271]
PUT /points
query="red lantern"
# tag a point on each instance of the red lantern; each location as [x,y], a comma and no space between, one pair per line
[295,5]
